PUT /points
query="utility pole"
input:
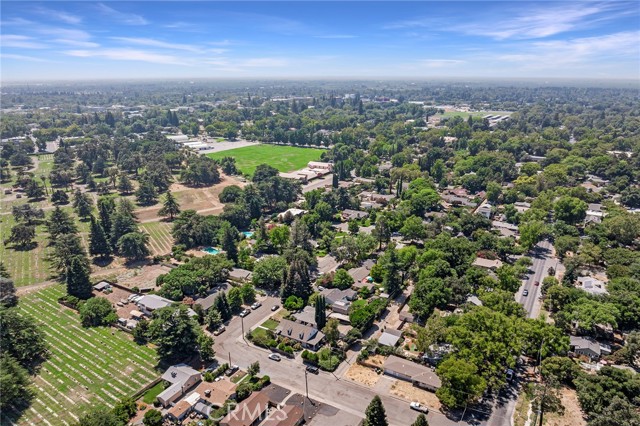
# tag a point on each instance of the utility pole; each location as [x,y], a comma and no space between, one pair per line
[464,412]
[544,394]
[242,325]
[229,359]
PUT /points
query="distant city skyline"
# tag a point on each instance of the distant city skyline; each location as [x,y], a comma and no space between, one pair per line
[55,40]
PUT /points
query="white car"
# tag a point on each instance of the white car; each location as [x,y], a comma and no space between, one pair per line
[245,313]
[256,305]
[418,407]
[274,357]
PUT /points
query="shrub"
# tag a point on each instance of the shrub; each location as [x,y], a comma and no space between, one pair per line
[293,303]
[97,311]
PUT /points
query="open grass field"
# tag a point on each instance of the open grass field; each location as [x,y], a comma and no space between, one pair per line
[87,367]
[283,158]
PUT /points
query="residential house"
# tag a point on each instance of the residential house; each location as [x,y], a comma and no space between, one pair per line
[319,165]
[341,307]
[249,412]
[181,410]
[521,206]
[327,264]
[592,285]
[216,393]
[308,337]
[102,286]
[405,315]
[418,375]
[240,275]
[360,275]
[593,216]
[307,316]
[348,214]
[293,211]
[289,415]
[588,347]
[181,378]
[207,302]
[390,337]
[152,302]
[484,209]
[487,263]
[334,294]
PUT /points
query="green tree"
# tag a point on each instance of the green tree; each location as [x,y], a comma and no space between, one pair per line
[125,409]
[59,197]
[153,418]
[268,272]
[134,245]
[421,420]
[15,384]
[248,293]
[331,331]
[254,369]
[83,204]
[461,383]
[106,208]
[234,296]
[97,311]
[124,184]
[65,248]
[77,278]
[375,414]
[175,334]
[279,237]
[8,296]
[122,223]
[297,279]
[170,206]
[146,193]
[98,242]
[205,347]
[413,229]
[21,338]
[342,279]
[531,233]
[391,281]
[229,237]
[321,312]
[22,235]
[34,190]
[213,320]
[570,209]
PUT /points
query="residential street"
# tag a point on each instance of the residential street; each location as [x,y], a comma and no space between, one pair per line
[325,387]
[543,257]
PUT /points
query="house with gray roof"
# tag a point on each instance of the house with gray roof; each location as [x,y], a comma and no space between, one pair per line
[181,378]
[390,337]
[152,302]
[419,375]
[588,347]
[308,337]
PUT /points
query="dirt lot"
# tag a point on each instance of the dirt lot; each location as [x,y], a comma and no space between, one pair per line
[572,413]
[203,200]
[407,391]
[143,276]
[377,360]
[363,375]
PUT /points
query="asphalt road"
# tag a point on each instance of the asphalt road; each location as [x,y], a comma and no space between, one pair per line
[543,259]
[324,387]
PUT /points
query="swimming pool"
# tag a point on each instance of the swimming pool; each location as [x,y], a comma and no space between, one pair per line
[248,234]
[211,250]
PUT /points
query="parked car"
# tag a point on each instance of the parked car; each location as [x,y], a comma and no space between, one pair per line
[536,283]
[245,313]
[320,288]
[525,293]
[275,308]
[256,305]
[231,370]
[510,374]
[218,331]
[274,357]
[312,369]
[419,407]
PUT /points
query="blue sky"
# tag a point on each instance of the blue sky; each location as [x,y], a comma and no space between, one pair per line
[118,39]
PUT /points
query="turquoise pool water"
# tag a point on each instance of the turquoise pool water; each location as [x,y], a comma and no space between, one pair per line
[211,250]
[248,234]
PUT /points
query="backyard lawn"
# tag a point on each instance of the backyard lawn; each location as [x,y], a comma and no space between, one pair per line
[283,158]
[149,396]
[87,367]
[270,324]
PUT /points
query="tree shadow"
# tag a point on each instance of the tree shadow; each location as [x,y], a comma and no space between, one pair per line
[24,247]
[103,261]
[133,264]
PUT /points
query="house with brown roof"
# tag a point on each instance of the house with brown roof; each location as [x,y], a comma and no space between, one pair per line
[216,393]
[419,375]
[249,412]
[289,415]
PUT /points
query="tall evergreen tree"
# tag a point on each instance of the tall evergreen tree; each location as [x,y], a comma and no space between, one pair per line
[229,240]
[392,280]
[106,207]
[170,206]
[77,278]
[297,280]
[8,296]
[122,224]
[222,306]
[146,193]
[134,245]
[98,243]
[83,204]
[375,414]
[59,223]
[124,184]
[321,312]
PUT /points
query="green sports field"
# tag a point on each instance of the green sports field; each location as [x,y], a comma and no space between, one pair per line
[283,158]
[87,366]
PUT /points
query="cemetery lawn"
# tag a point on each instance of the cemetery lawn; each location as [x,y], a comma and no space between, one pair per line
[87,367]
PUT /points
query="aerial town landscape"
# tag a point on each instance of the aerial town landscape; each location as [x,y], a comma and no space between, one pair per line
[231,246]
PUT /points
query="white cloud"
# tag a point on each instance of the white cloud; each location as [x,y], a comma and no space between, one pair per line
[22,57]
[264,62]
[64,33]
[125,18]
[65,17]
[221,43]
[157,43]
[76,43]
[20,41]
[127,55]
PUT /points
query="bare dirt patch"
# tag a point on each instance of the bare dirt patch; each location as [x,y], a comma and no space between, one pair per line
[363,375]
[203,200]
[572,415]
[408,392]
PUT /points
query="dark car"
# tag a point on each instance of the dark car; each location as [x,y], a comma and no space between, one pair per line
[313,369]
